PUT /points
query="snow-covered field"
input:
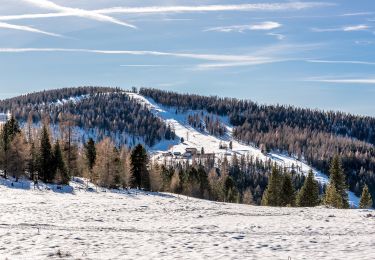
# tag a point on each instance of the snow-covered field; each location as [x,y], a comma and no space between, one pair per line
[197,139]
[41,224]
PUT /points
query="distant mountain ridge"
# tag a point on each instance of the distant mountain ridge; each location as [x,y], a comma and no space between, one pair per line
[310,135]
[107,110]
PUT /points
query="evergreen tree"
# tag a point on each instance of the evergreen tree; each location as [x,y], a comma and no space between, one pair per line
[230,191]
[287,193]
[17,156]
[8,132]
[333,197]
[271,196]
[309,193]
[60,171]
[45,160]
[139,160]
[90,152]
[337,178]
[366,200]
[32,161]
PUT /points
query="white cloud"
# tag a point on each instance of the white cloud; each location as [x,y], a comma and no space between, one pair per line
[216,8]
[207,57]
[342,62]
[346,81]
[241,28]
[45,4]
[218,60]
[26,28]
[279,36]
[101,14]
[254,61]
[358,14]
[360,27]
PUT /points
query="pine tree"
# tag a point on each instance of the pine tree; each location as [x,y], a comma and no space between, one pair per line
[32,161]
[90,153]
[45,160]
[366,200]
[139,160]
[337,178]
[17,156]
[60,172]
[248,197]
[287,193]
[8,132]
[230,191]
[333,197]
[271,196]
[309,193]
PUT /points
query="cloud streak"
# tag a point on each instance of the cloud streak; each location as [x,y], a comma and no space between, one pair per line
[215,8]
[342,62]
[264,26]
[370,81]
[216,60]
[26,29]
[360,27]
[101,14]
[68,11]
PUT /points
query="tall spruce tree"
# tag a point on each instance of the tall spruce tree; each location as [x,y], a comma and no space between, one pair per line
[271,196]
[366,200]
[139,160]
[9,131]
[45,160]
[287,193]
[60,171]
[230,190]
[90,152]
[333,197]
[337,178]
[309,193]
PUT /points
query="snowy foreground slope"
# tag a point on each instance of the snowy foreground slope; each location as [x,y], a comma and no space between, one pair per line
[40,224]
[210,143]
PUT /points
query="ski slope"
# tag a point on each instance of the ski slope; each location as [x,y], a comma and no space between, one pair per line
[197,139]
[43,224]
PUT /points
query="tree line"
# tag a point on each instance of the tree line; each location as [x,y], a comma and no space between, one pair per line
[102,111]
[36,155]
[311,135]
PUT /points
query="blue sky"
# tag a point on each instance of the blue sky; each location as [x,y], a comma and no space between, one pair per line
[305,53]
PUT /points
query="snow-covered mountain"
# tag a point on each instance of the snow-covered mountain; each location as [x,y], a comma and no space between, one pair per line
[211,144]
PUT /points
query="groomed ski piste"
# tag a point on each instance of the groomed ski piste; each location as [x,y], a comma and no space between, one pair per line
[196,139]
[71,222]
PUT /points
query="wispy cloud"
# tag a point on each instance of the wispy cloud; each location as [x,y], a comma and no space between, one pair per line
[346,81]
[101,14]
[342,62]
[216,8]
[68,11]
[197,56]
[217,60]
[360,27]
[26,28]
[253,62]
[279,36]
[358,14]
[264,26]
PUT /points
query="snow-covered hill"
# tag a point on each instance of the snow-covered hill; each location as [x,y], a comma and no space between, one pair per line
[41,224]
[211,144]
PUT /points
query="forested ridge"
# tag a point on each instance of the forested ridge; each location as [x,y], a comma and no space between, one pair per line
[309,134]
[109,110]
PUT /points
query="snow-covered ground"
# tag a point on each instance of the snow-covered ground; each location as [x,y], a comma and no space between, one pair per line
[196,139]
[42,224]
